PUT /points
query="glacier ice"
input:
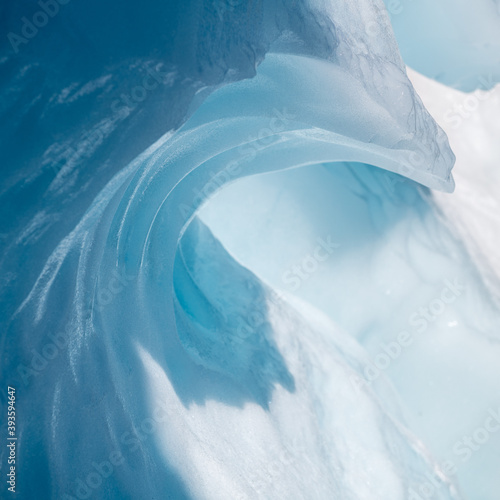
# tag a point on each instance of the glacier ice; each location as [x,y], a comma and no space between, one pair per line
[148,328]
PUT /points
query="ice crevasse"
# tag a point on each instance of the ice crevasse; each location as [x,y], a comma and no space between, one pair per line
[184,361]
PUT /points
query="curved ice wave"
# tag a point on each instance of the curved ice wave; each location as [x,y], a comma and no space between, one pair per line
[176,380]
[124,317]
